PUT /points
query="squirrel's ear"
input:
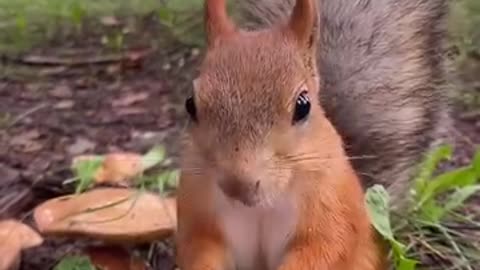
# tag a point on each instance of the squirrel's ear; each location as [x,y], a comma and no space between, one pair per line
[304,23]
[217,22]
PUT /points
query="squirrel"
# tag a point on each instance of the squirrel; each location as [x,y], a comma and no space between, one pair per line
[283,104]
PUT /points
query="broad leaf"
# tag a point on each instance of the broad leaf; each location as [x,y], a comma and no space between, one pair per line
[75,263]
[154,157]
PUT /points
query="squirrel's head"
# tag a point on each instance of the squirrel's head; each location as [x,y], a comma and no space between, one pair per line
[255,110]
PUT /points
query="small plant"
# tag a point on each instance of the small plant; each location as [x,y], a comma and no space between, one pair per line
[115,41]
[75,263]
[431,223]
[85,172]
[123,168]
[377,199]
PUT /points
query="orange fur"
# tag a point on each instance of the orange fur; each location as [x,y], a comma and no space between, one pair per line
[308,210]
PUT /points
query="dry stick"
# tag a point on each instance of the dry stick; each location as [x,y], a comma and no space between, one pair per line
[455,247]
[25,114]
[78,61]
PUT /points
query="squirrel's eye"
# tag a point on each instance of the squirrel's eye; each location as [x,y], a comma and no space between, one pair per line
[191,109]
[302,107]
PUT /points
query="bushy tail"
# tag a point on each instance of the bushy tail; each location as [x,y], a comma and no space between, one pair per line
[382,75]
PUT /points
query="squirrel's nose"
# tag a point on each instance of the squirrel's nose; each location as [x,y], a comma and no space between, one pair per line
[240,189]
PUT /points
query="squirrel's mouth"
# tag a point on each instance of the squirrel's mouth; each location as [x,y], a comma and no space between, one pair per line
[247,194]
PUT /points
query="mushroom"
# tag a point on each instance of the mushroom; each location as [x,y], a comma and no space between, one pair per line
[114,215]
[119,167]
[15,237]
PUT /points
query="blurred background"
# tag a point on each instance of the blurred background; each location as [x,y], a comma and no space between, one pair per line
[103,76]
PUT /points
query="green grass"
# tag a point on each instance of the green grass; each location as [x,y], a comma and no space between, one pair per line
[463,27]
[465,39]
[25,23]
[433,229]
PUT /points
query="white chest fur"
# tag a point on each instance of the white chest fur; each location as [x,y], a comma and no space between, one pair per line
[256,236]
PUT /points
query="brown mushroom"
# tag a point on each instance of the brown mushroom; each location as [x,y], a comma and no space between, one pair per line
[15,237]
[110,214]
[119,168]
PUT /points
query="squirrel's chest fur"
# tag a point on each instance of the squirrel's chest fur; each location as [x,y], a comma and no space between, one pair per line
[256,236]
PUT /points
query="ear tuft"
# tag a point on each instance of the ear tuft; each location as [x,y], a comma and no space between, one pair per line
[217,22]
[304,23]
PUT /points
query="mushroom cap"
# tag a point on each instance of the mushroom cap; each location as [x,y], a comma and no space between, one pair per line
[14,237]
[110,214]
[119,167]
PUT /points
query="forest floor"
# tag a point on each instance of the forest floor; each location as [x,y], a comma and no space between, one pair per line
[65,99]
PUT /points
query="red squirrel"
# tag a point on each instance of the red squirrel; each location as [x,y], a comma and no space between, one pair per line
[265,182]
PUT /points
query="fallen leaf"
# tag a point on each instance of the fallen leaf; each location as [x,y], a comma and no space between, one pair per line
[130,99]
[135,58]
[61,91]
[80,146]
[29,135]
[114,258]
[9,175]
[64,104]
[131,111]
[14,237]
[113,215]
[119,168]
[27,141]
[109,21]
[113,69]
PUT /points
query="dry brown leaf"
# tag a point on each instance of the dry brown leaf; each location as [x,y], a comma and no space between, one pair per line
[129,99]
[114,258]
[111,214]
[27,141]
[109,21]
[119,168]
[131,111]
[14,237]
[81,145]
[61,91]
[64,104]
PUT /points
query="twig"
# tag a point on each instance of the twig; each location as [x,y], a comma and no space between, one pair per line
[25,114]
[455,246]
[80,61]
[472,227]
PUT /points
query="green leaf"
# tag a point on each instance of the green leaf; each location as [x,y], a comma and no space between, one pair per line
[461,177]
[431,211]
[476,163]
[377,200]
[406,264]
[154,157]
[428,166]
[457,198]
[85,170]
[166,179]
[75,263]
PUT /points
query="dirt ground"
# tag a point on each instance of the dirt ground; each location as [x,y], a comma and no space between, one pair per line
[130,103]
